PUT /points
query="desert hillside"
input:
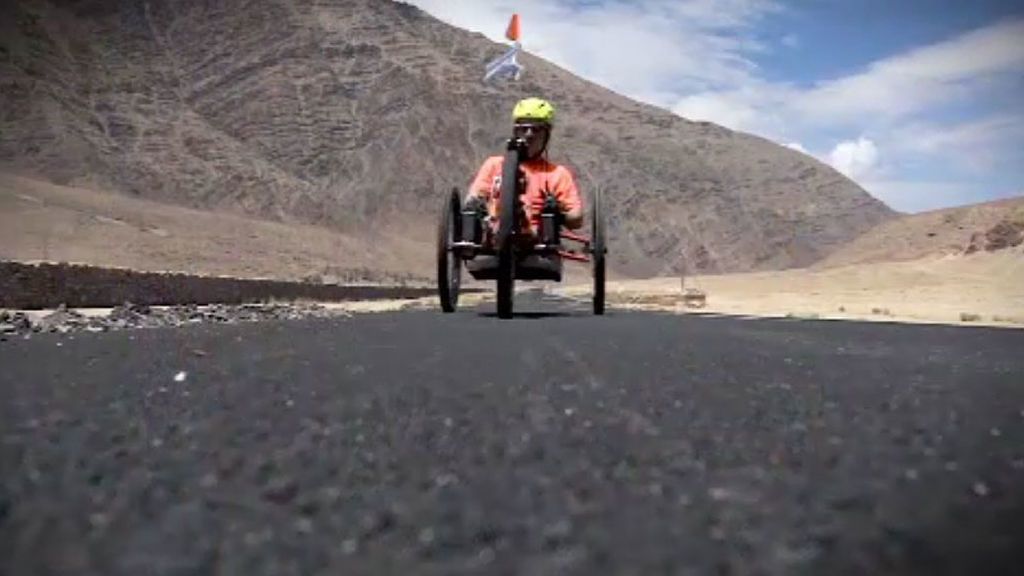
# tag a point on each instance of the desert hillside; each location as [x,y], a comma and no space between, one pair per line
[357,115]
[985,227]
[40,221]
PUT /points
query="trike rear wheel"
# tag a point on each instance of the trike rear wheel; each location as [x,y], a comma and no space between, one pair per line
[449,265]
[598,250]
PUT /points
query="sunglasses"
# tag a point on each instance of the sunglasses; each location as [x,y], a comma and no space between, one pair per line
[521,130]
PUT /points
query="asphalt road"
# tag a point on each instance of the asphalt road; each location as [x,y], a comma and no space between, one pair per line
[555,443]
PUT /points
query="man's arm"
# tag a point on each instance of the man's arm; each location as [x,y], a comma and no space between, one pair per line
[574,218]
[484,180]
[570,202]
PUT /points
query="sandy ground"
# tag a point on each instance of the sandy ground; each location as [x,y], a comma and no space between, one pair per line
[981,289]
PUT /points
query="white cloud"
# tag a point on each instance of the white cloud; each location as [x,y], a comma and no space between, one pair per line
[798,147]
[732,113]
[854,158]
[887,91]
[698,58]
[645,47]
[889,98]
[977,145]
[748,108]
[929,76]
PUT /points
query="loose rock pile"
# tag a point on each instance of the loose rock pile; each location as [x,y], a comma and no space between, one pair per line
[14,323]
[1005,234]
[130,315]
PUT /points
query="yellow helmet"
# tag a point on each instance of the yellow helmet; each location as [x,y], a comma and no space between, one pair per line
[534,109]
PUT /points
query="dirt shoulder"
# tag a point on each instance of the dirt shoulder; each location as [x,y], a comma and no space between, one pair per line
[979,289]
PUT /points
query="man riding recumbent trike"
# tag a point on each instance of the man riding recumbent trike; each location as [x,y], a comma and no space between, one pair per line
[511,224]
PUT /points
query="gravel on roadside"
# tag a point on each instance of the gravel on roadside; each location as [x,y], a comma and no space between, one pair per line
[129,316]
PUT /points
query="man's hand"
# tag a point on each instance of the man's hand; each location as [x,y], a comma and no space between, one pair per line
[573,218]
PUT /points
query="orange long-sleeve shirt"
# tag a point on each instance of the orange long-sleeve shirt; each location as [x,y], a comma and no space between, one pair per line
[542,177]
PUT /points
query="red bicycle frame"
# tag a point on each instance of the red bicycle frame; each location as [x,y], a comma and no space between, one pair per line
[573,254]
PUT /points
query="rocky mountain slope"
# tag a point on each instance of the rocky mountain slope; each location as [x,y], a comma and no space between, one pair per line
[360,113]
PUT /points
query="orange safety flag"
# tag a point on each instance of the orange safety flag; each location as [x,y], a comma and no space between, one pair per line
[512,32]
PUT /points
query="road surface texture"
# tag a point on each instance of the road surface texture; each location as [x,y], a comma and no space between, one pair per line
[554,443]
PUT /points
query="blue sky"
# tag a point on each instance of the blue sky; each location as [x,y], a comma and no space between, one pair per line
[919,101]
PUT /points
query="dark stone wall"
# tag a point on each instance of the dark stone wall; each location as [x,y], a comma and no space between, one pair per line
[36,286]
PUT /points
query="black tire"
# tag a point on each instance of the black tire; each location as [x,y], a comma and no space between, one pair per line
[506,232]
[598,250]
[449,265]
[509,195]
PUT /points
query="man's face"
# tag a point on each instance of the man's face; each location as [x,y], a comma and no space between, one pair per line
[536,136]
